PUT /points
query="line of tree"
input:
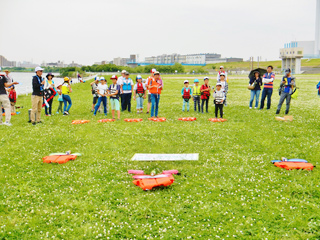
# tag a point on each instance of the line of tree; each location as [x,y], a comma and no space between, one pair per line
[177,67]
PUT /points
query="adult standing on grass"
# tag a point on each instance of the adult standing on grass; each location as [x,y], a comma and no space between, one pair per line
[219,74]
[37,96]
[153,70]
[119,82]
[4,100]
[49,84]
[8,76]
[66,90]
[255,93]
[94,86]
[268,79]
[155,88]
[286,89]
[127,87]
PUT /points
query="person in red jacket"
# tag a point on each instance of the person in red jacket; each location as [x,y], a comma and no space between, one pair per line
[13,99]
[205,94]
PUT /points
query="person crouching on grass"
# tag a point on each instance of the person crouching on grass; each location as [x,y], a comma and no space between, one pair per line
[186,93]
[139,93]
[219,98]
[205,94]
[102,93]
[114,94]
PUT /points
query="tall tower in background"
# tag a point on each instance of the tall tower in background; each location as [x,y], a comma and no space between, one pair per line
[317,37]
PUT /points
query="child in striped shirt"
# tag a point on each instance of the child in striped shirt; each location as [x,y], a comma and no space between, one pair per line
[219,97]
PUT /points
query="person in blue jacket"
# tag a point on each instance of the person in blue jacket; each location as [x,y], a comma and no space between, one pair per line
[286,89]
[126,92]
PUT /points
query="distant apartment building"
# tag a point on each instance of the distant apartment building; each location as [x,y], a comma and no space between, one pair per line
[26,64]
[121,61]
[5,63]
[189,59]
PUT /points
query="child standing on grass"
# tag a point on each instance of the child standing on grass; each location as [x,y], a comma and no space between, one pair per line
[60,100]
[139,91]
[66,90]
[196,93]
[114,93]
[219,98]
[13,99]
[95,96]
[102,92]
[205,94]
[224,86]
[186,93]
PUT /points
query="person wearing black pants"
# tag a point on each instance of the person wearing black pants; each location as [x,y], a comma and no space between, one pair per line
[126,101]
[219,98]
[205,94]
[48,109]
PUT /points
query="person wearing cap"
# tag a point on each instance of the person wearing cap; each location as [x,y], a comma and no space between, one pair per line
[196,94]
[224,86]
[139,93]
[120,81]
[12,98]
[66,90]
[4,100]
[286,89]
[152,71]
[60,99]
[49,84]
[114,93]
[8,76]
[255,93]
[127,87]
[219,97]
[94,86]
[155,88]
[186,93]
[102,91]
[37,96]
[205,94]
[267,79]
[219,74]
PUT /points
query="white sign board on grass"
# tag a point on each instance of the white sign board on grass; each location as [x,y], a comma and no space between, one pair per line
[165,157]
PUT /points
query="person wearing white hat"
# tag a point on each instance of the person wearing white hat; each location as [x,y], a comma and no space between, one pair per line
[102,91]
[186,93]
[10,79]
[37,96]
[139,93]
[150,78]
[4,100]
[218,100]
[222,71]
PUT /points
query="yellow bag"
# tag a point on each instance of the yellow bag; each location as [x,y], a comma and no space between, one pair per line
[294,95]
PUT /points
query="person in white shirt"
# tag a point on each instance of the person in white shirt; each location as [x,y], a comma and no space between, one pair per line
[102,93]
[222,71]
[219,98]
[127,87]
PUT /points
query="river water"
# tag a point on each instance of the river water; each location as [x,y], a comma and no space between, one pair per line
[25,81]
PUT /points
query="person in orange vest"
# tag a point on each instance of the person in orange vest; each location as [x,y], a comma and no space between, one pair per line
[267,79]
[153,70]
[155,87]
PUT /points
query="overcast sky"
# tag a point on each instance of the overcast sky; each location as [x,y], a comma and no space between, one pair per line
[87,31]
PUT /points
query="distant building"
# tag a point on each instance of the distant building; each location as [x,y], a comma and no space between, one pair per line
[121,61]
[5,63]
[26,64]
[291,56]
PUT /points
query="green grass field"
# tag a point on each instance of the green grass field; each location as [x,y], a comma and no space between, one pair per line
[233,191]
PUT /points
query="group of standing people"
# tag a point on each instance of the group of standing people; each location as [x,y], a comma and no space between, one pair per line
[286,89]
[124,89]
[43,93]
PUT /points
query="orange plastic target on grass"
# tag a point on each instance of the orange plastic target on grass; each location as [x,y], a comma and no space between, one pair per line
[105,120]
[58,158]
[80,121]
[158,119]
[133,120]
[217,119]
[188,119]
